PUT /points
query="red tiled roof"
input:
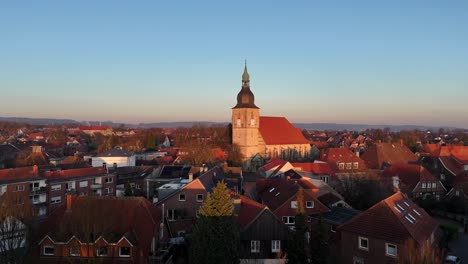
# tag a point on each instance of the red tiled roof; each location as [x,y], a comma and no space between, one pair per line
[274,192]
[18,174]
[387,153]
[394,220]
[273,163]
[431,150]
[112,217]
[409,174]
[278,130]
[451,164]
[249,210]
[315,168]
[72,173]
[459,152]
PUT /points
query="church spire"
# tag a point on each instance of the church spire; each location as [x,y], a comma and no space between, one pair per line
[245,75]
[245,98]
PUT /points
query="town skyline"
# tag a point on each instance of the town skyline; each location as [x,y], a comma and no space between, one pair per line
[366,63]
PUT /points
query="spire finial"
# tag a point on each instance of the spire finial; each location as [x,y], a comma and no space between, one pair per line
[245,76]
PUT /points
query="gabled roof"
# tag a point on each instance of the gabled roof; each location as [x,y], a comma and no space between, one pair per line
[456,151]
[248,212]
[115,152]
[317,168]
[387,153]
[394,219]
[112,218]
[278,131]
[452,164]
[275,192]
[7,149]
[74,173]
[19,174]
[409,174]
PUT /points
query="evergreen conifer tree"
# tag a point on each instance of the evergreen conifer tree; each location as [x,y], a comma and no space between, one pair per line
[215,238]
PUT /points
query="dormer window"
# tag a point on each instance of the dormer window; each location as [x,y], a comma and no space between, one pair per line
[124,252]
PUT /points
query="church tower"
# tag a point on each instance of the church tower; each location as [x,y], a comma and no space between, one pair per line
[245,119]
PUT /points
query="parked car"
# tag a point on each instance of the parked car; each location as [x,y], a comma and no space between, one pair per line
[453,260]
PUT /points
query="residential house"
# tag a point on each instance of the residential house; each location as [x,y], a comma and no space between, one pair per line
[135,178]
[180,207]
[381,155]
[319,170]
[280,195]
[449,161]
[378,235]
[8,153]
[111,229]
[262,234]
[83,181]
[116,157]
[274,168]
[344,162]
[413,180]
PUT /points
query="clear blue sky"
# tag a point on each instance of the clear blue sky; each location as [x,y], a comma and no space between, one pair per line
[374,62]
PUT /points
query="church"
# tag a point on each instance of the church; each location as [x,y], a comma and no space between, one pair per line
[269,137]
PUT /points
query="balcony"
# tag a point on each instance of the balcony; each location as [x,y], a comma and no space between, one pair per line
[96,186]
[38,190]
[70,190]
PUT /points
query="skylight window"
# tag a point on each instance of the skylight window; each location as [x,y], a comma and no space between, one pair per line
[409,219]
[414,210]
[277,194]
[396,208]
[407,204]
[272,189]
[412,217]
[400,207]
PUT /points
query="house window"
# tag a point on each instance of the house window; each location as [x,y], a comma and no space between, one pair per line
[275,245]
[35,199]
[56,187]
[182,197]
[391,250]
[108,180]
[289,220]
[68,186]
[104,165]
[310,204]
[457,193]
[109,190]
[333,228]
[434,185]
[423,185]
[294,204]
[124,251]
[355,165]
[442,177]
[56,200]
[48,251]
[74,251]
[341,166]
[19,188]
[175,214]
[348,165]
[83,184]
[101,251]
[199,197]
[255,246]
[138,186]
[363,243]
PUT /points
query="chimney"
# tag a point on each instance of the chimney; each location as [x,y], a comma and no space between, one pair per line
[69,202]
[35,169]
[190,177]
